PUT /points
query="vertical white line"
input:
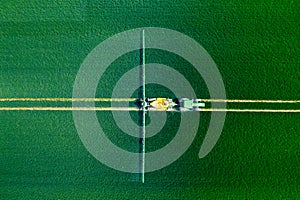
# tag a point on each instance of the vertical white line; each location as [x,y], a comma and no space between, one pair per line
[144,107]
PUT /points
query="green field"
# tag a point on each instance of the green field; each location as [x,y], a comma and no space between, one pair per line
[256,47]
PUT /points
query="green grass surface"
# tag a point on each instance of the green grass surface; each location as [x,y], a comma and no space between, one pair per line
[255,46]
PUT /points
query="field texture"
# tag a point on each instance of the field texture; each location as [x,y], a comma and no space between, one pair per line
[256,47]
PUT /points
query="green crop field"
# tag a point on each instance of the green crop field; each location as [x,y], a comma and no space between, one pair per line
[255,45]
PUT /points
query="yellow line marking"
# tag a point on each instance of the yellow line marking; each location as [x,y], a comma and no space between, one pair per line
[133,99]
[136,109]
[248,110]
[249,101]
[69,108]
[67,99]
